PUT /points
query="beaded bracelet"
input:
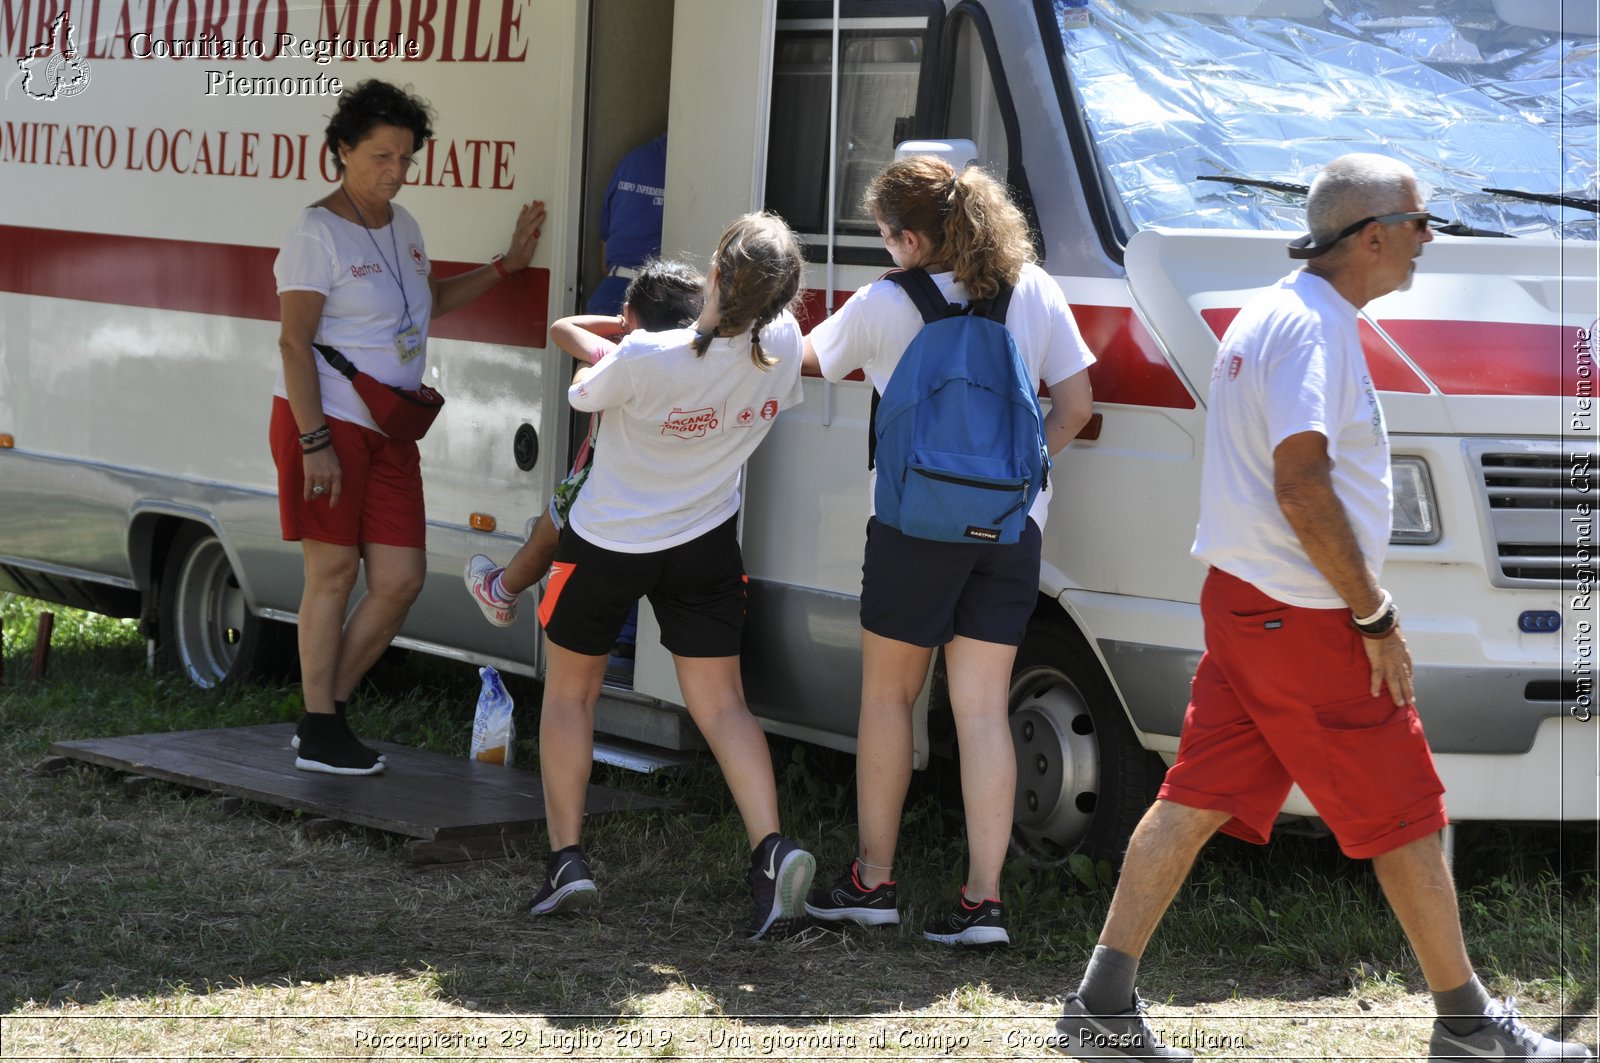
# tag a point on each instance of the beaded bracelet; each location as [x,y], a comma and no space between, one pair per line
[315,434]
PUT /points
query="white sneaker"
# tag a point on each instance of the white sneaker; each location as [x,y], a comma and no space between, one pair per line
[479,578]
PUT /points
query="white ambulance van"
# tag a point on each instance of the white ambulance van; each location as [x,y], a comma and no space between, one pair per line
[153,153]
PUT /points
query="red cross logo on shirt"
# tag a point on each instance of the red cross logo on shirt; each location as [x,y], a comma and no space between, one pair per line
[746,417]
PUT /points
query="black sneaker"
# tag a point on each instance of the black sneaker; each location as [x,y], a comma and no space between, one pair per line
[965,924]
[1125,1035]
[847,900]
[1503,1035]
[300,730]
[780,874]
[568,884]
[328,745]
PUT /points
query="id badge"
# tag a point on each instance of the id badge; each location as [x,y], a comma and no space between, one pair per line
[408,343]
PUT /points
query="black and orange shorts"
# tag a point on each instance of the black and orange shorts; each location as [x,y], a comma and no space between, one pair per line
[697,589]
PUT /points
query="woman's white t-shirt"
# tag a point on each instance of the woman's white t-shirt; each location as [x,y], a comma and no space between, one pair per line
[872,330]
[373,280]
[677,431]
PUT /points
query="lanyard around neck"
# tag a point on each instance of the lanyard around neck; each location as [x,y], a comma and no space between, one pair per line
[394,270]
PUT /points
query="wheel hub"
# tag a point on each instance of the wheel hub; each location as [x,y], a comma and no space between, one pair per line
[1058,763]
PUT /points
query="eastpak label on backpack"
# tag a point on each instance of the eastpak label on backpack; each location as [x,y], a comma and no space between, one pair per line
[959,435]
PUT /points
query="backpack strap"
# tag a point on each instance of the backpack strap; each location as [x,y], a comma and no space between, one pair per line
[994,308]
[337,359]
[932,305]
[922,291]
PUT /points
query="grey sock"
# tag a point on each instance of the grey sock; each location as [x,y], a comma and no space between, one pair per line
[1107,987]
[1462,1009]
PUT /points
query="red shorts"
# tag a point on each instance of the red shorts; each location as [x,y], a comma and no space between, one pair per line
[380,498]
[1281,697]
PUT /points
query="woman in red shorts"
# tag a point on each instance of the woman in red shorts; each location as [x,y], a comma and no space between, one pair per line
[353,275]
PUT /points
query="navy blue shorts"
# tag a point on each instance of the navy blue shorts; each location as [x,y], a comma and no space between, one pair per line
[926,593]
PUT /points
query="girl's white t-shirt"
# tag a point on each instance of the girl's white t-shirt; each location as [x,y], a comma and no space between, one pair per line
[872,330]
[677,432]
[374,281]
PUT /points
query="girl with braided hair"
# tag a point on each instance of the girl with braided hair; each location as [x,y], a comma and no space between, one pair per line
[685,409]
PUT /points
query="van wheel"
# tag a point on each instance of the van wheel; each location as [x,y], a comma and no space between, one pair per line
[1083,780]
[206,629]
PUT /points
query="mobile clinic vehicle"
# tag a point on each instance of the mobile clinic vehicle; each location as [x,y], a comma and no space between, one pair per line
[150,167]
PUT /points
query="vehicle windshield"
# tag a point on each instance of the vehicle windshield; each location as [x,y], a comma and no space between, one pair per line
[1472,94]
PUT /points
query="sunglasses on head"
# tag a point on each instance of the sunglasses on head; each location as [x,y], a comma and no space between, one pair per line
[1302,247]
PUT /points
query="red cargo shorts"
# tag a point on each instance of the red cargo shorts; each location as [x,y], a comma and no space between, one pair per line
[1281,697]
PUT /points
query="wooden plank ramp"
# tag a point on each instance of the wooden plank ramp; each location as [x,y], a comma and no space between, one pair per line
[454,808]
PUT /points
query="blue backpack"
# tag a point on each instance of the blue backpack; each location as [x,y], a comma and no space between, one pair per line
[958,435]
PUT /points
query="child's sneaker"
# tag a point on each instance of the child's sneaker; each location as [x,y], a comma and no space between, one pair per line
[847,900]
[969,924]
[1125,1035]
[481,584]
[328,745]
[780,873]
[1503,1035]
[568,884]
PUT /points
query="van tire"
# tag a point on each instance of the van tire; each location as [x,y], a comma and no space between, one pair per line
[1083,779]
[206,631]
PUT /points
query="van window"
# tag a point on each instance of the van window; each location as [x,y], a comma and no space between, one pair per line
[880,85]
[974,103]
[1169,94]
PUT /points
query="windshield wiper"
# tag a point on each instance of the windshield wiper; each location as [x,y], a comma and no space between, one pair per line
[1576,202]
[1286,187]
[1449,228]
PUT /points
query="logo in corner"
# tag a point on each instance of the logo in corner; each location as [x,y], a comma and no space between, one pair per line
[1235,364]
[53,69]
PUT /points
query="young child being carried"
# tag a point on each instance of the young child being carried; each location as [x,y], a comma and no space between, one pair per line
[665,295]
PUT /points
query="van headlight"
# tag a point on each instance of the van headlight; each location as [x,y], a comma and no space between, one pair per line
[1416,517]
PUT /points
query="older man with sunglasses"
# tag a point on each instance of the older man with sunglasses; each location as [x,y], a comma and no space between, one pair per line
[1306,678]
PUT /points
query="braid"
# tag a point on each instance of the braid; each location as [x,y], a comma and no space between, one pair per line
[758,264]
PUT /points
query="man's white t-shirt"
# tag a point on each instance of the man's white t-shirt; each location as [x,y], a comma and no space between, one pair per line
[677,432]
[872,330]
[361,272]
[1291,362]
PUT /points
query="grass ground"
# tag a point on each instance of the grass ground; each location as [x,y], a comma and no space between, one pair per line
[166,925]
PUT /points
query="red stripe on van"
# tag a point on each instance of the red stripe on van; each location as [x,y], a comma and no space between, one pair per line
[1129,367]
[230,281]
[812,309]
[1494,357]
[1389,371]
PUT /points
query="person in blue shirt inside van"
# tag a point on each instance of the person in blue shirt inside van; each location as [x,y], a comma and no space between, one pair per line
[630,222]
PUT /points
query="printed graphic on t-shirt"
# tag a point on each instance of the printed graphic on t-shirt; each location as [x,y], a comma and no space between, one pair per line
[769,409]
[746,418]
[419,261]
[690,424]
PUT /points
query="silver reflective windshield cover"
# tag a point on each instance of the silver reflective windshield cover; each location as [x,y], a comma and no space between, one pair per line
[1469,99]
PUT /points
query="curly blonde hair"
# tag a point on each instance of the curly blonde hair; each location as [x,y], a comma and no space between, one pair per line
[971,224]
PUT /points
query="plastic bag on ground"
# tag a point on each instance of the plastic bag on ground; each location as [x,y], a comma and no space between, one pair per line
[492,727]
